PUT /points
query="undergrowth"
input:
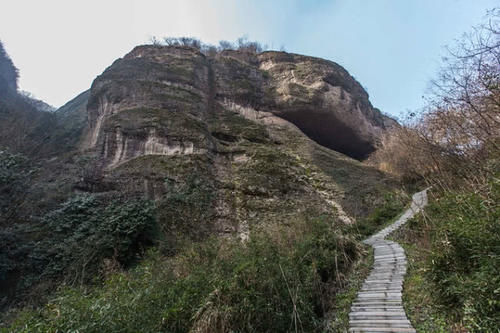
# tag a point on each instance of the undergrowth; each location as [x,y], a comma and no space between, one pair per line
[73,244]
[283,279]
[338,319]
[454,276]
[393,205]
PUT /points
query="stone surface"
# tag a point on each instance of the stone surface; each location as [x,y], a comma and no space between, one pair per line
[167,94]
[229,120]
[378,306]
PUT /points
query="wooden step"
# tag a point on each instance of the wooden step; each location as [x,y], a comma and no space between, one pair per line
[378,306]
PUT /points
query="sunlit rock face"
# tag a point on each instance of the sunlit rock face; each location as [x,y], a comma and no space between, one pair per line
[119,147]
[156,101]
[324,101]
[151,102]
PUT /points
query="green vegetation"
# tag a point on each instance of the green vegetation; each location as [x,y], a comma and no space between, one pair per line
[85,230]
[282,279]
[72,243]
[338,319]
[458,260]
[425,314]
[393,205]
[16,171]
[184,211]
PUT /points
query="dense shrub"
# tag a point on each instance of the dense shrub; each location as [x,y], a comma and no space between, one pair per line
[72,242]
[464,263]
[283,279]
[84,230]
[16,173]
[391,207]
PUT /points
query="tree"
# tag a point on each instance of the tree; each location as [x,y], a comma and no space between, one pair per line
[457,136]
[8,72]
[466,94]
[225,45]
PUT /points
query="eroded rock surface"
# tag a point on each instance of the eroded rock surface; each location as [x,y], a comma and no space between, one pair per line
[166,94]
[241,124]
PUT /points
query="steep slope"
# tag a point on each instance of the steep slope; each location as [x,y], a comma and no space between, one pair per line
[70,124]
[8,73]
[23,128]
[175,105]
[179,146]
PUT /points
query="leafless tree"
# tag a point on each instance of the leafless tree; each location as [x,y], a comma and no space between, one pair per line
[458,133]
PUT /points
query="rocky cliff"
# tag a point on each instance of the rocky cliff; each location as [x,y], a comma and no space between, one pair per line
[240,122]
[226,144]
[263,133]
[157,100]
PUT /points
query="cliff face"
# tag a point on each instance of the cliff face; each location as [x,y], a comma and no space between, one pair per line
[239,122]
[156,100]
[219,145]
[152,102]
[245,126]
[324,101]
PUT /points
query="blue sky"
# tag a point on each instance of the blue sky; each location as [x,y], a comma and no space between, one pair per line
[393,47]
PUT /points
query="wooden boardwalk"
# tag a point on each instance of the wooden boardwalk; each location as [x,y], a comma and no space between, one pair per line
[378,306]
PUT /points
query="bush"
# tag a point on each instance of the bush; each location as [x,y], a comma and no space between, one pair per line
[85,230]
[281,280]
[454,257]
[184,210]
[73,242]
[384,214]
[465,258]
[16,173]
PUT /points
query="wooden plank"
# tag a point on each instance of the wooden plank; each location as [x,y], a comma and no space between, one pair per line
[378,306]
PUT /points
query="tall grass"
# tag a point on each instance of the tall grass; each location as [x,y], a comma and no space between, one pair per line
[457,252]
[283,279]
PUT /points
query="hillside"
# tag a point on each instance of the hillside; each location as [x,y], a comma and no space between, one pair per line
[172,147]
[23,127]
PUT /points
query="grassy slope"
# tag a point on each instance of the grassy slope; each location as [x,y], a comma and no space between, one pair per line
[286,266]
[279,281]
